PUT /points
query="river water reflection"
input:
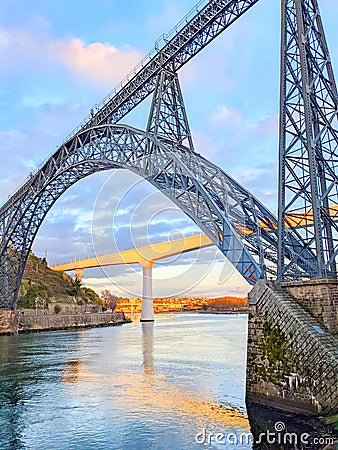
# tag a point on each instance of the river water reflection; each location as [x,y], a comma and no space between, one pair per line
[139,386]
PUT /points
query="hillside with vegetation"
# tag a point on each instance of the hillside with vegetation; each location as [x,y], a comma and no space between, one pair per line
[226,303]
[40,281]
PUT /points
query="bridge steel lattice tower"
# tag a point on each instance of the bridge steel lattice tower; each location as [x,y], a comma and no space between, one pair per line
[308,154]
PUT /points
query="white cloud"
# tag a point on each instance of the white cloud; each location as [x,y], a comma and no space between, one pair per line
[97,61]
[265,126]
[234,118]
[261,181]
[36,52]
[34,48]
[224,115]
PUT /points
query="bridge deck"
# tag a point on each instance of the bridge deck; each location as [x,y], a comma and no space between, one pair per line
[140,255]
[165,249]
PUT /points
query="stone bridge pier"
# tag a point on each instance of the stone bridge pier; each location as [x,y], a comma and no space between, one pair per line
[293,346]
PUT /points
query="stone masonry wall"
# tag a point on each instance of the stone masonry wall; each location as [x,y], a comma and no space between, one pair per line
[8,321]
[292,360]
[72,308]
[320,298]
[33,322]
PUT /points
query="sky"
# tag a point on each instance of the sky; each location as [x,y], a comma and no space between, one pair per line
[61,57]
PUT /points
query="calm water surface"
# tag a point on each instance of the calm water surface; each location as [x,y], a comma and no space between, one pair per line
[136,386]
[132,387]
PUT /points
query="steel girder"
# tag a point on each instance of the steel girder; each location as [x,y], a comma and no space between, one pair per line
[236,222]
[168,123]
[187,41]
[308,161]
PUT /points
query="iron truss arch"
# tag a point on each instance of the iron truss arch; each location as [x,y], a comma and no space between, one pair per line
[243,229]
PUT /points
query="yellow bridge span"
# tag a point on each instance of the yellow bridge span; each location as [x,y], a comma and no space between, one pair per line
[146,256]
[142,255]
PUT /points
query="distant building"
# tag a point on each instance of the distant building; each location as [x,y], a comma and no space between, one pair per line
[168,304]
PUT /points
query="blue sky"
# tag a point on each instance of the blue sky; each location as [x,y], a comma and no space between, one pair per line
[59,58]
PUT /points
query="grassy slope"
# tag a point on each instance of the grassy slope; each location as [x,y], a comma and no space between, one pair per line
[40,281]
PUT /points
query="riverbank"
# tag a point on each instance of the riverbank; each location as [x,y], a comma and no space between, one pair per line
[29,322]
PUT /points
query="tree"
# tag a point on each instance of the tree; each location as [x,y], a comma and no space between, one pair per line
[109,299]
[75,289]
[57,309]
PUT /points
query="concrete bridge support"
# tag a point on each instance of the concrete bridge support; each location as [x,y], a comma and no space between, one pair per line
[147,292]
[79,274]
[293,346]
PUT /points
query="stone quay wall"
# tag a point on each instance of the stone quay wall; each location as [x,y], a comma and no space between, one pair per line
[293,347]
[31,322]
[13,322]
[9,321]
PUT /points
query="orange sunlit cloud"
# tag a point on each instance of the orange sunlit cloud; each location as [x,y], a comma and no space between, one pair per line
[97,61]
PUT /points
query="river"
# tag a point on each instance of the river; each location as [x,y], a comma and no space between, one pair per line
[174,384]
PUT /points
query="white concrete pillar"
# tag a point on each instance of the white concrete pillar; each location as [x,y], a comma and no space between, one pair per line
[147,292]
[148,337]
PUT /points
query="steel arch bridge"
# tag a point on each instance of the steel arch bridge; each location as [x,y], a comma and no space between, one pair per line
[222,208]
[248,234]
